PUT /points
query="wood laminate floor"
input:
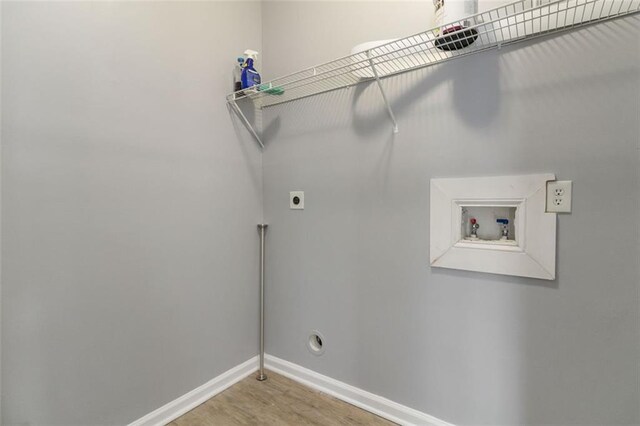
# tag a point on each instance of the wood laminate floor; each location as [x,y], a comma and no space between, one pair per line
[276,401]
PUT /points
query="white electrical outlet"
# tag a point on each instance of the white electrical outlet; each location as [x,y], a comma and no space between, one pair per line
[559,196]
[296,200]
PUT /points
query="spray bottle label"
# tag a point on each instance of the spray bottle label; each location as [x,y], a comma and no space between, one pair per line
[250,78]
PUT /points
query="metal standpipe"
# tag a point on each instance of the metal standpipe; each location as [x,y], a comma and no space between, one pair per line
[263,229]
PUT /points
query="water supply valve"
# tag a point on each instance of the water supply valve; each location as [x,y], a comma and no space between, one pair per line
[474,228]
[505,228]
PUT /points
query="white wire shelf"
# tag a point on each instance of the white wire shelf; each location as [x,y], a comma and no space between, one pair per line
[511,23]
[514,22]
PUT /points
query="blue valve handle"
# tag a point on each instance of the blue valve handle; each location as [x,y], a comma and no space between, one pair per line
[503,221]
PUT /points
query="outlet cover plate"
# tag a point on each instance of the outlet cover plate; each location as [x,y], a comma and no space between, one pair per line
[559,196]
[296,200]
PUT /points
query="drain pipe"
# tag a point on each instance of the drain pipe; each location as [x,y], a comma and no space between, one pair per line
[263,229]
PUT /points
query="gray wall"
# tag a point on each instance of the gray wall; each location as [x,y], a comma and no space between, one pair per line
[130,207]
[0,209]
[130,200]
[469,348]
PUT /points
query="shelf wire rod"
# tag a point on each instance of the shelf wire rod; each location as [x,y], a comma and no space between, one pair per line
[384,96]
[456,33]
[346,57]
[426,51]
[356,66]
[276,101]
[406,60]
[601,9]
[246,123]
[508,26]
[336,70]
[593,9]
[526,20]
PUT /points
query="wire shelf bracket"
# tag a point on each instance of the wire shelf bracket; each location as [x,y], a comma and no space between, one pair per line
[384,95]
[247,124]
[493,29]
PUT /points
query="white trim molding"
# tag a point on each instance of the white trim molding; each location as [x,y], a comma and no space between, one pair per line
[189,401]
[531,254]
[360,398]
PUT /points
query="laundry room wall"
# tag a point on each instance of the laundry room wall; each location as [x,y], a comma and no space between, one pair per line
[130,203]
[465,347]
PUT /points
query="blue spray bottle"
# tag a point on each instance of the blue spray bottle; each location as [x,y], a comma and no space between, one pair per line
[250,76]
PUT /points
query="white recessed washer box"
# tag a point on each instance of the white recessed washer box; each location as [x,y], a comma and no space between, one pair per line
[529,249]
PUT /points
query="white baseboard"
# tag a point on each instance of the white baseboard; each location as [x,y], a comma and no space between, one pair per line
[360,398]
[189,401]
[378,405]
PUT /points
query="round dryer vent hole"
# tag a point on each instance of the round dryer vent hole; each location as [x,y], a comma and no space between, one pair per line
[315,343]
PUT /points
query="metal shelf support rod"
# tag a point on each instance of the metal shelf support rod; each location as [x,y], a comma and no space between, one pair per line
[243,118]
[382,92]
